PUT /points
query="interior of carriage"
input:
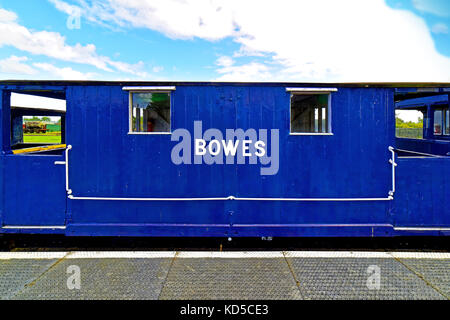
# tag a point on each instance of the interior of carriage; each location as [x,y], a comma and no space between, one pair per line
[422,122]
[37,122]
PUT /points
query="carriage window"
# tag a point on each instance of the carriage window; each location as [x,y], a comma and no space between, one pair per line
[150,112]
[310,113]
[409,123]
[438,122]
[447,122]
[37,123]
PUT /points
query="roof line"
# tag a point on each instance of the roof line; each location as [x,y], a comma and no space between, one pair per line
[123,83]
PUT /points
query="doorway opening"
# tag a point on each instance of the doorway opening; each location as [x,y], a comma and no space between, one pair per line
[37,122]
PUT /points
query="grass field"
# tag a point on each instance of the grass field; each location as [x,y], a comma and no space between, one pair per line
[41,138]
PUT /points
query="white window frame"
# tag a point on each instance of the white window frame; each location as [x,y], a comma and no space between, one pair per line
[311,91]
[131,90]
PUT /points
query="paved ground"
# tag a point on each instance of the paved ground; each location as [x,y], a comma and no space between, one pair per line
[224,275]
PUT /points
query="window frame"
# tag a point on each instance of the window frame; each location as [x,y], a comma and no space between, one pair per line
[444,110]
[22,111]
[312,91]
[132,90]
[446,121]
[419,108]
[441,110]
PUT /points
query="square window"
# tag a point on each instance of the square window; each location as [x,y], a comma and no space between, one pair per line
[37,122]
[150,112]
[410,123]
[310,113]
[438,122]
[447,122]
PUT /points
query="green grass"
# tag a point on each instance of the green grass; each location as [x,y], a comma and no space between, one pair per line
[41,138]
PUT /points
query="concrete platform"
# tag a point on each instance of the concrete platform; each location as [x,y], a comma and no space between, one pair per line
[224,275]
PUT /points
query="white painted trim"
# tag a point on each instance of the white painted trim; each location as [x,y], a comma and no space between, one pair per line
[421,229]
[406,157]
[230,254]
[72,197]
[147,133]
[34,227]
[148,199]
[421,255]
[393,165]
[389,198]
[120,254]
[310,134]
[314,199]
[222,255]
[311,90]
[160,88]
[336,254]
[31,255]
[68,190]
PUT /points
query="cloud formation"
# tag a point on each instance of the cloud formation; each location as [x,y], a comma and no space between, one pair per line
[63,73]
[54,45]
[439,28]
[322,40]
[16,66]
[437,7]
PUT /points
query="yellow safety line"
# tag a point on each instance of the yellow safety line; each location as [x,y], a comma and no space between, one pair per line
[40,149]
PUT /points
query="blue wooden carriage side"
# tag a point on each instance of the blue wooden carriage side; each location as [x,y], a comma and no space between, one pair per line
[102,184]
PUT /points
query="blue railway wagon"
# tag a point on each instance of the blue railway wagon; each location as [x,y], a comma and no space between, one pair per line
[225,160]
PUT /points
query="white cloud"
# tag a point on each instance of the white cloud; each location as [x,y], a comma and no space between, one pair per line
[224,61]
[53,44]
[7,16]
[342,41]
[436,7]
[439,28]
[157,69]
[322,40]
[246,72]
[135,69]
[19,68]
[65,7]
[177,19]
[63,73]
[409,115]
[16,65]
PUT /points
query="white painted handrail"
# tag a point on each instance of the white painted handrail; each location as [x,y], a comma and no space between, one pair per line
[232,198]
[68,190]
[394,164]
[72,197]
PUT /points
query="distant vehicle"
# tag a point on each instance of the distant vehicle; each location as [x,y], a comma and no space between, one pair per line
[34,127]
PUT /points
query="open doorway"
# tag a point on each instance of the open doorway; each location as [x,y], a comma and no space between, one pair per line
[422,126]
[37,123]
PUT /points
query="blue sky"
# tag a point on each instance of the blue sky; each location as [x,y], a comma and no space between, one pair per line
[322,40]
